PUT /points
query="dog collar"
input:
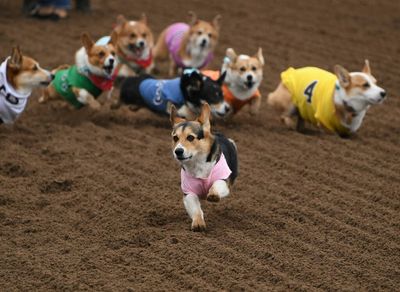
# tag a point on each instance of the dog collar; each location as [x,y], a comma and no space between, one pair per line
[143,63]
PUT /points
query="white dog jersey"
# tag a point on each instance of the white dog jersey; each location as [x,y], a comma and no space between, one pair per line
[12,104]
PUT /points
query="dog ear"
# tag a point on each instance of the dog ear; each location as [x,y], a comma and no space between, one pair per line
[343,76]
[144,18]
[192,18]
[121,20]
[367,68]
[113,38]
[87,42]
[259,56]
[15,61]
[204,118]
[221,78]
[217,22]
[230,53]
[174,118]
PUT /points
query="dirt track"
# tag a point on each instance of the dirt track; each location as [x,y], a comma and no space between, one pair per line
[92,200]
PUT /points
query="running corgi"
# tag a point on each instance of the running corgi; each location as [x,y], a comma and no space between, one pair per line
[188,45]
[243,78]
[134,44]
[335,102]
[188,93]
[93,73]
[19,75]
[209,163]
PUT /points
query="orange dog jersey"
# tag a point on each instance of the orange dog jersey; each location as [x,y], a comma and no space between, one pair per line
[312,93]
[235,103]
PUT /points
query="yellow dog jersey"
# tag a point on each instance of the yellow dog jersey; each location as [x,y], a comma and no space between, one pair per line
[312,93]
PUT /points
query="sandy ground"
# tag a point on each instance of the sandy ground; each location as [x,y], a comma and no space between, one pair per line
[91,201]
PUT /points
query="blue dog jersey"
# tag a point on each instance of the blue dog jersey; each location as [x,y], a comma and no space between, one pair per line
[157,93]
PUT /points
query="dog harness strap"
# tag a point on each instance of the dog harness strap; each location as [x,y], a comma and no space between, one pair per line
[201,186]
[312,92]
[173,39]
[12,104]
[64,80]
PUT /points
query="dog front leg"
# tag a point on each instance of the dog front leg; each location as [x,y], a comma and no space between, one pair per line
[219,190]
[255,105]
[172,70]
[193,208]
[84,96]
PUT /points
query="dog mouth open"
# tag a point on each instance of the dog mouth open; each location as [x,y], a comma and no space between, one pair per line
[249,84]
[182,158]
[137,50]
[108,69]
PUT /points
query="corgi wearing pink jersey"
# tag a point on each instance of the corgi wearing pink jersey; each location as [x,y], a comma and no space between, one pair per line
[209,164]
[188,44]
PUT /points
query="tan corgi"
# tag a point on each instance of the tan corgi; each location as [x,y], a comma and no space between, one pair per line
[209,163]
[188,45]
[93,73]
[335,102]
[243,77]
[134,46]
[19,75]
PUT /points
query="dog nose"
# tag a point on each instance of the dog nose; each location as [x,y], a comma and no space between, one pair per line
[141,44]
[383,94]
[179,152]
[227,108]
[52,76]
[111,61]
[203,42]
[249,77]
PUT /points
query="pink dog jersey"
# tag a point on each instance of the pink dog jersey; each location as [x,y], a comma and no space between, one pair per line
[201,186]
[173,39]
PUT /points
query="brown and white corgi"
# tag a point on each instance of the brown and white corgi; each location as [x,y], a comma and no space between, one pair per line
[93,73]
[188,45]
[19,75]
[335,102]
[209,164]
[134,44]
[243,77]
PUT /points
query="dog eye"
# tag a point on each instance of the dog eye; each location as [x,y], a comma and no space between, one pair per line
[113,53]
[254,68]
[199,32]
[190,138]
[366,85]
[144,35]
[242,69]
[175,138]
[133,35]
[210,35]
[102,54]
[35,68]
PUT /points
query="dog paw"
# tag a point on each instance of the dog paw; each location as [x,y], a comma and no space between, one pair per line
[213,198]
[95,106]
[198,224]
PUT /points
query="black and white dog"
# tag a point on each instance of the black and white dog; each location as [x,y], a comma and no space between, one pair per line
[187,93]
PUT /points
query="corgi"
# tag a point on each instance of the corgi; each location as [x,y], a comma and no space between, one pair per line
[93,73]
[243,78]
[209,163]
[19,75]
[335,102]
[188,45]
[187,93]
[134,44]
